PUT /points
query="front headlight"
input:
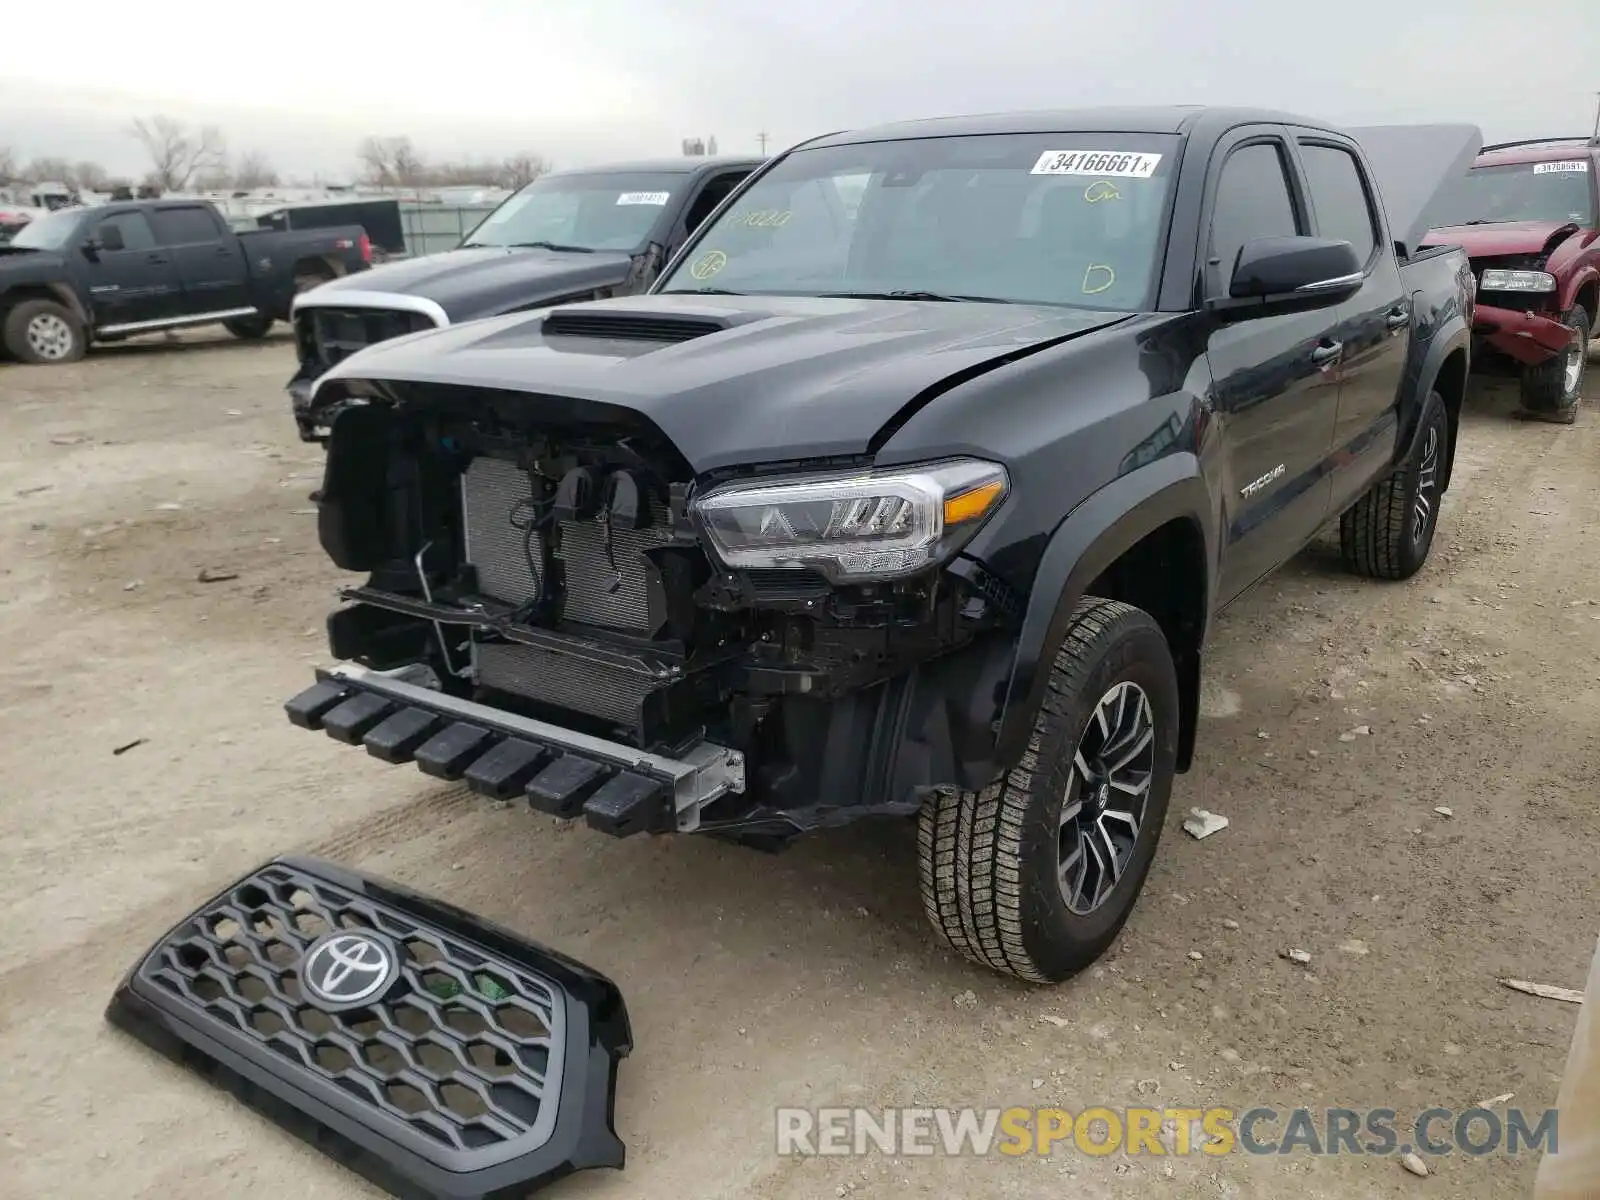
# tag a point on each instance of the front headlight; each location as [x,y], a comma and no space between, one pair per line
[855,528]
[1517,281]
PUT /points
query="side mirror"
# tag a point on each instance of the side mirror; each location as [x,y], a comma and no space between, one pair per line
[1291,274]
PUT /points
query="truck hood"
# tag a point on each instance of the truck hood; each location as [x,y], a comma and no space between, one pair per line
[19,261]
[756,379]
[480,281]
[1504,237]
[1417,166]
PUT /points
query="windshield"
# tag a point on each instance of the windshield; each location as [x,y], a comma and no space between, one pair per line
[1541,191]
[49,232]
[1067,219]
[603,211]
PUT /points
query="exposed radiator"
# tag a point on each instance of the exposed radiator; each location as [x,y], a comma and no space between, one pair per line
[563,680]
[616,590]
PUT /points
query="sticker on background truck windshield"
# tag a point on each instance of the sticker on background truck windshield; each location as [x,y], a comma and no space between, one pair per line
[655,198]
[1566,164]
[1116,164]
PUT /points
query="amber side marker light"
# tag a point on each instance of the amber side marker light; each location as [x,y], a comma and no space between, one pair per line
[970,505]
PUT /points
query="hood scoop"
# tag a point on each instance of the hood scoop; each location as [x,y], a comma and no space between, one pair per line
[621,325]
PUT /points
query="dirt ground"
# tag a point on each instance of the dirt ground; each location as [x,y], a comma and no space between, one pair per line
[809,978]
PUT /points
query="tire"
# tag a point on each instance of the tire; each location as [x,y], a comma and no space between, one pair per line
[248,328]
[1555,387]
[990,862]
[1388,532]
[42,331]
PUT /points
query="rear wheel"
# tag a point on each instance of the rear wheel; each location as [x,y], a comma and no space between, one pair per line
[1552,390]
[42,331]
[1035,875]
[248,327]
[309,275]
[1388,532]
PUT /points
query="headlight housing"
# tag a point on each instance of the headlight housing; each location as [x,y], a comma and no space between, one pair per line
[1517,281]
[861,527]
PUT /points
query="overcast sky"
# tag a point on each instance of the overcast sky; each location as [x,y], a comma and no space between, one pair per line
[582,81]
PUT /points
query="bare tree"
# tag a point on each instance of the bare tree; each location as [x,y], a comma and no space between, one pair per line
[177,153]
[90,177]
[254,171]
[8,165]
[48,170]
[390,162]
[522,169]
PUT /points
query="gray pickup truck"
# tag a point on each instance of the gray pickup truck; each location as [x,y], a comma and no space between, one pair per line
[574,235]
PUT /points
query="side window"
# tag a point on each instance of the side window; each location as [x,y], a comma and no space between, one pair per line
[183,226]
[711,195]
[1252,201]
[1339,198]
[133,227]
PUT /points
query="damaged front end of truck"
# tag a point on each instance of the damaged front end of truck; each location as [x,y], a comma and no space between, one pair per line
[560,606]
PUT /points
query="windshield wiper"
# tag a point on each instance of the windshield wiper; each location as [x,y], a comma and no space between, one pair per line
[916,295]
[1489,221]
[528,246]
[700,292]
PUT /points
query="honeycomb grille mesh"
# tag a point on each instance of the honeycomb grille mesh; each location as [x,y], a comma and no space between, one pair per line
[464,1049]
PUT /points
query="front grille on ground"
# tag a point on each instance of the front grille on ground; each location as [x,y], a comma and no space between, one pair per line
[337,333]
[609,581]
[461,1052]
[434,1053]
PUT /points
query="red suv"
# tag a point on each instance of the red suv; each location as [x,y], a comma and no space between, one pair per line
[1528,216]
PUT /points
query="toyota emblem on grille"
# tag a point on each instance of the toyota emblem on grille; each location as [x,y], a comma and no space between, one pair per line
[345,968]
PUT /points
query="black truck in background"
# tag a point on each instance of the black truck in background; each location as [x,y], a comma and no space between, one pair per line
[102,274]
[929,513]
[572,235]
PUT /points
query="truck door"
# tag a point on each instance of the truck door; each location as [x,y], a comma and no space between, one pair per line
[1275,387]
[1374,324]
[131,280]
[209,258]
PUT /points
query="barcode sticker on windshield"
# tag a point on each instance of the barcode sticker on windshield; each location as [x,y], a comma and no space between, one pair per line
[656,198]
[1567,164]
[1116,164]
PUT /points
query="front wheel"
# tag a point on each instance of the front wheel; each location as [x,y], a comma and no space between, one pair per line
[42,331]
[1035,875]
[248,328]
[1551,391]
[1388,532]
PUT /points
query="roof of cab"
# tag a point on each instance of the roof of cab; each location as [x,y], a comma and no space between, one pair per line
[1540,151]
[1169,119]
[666,166]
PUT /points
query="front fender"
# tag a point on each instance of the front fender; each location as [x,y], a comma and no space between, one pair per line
[1575,285]
[1087,541]
[1453,336]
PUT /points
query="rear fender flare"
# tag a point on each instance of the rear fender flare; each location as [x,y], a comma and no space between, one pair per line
[1088,540]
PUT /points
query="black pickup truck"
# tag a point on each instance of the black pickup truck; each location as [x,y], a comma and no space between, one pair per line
[573,235]
[928,513]
[81,275]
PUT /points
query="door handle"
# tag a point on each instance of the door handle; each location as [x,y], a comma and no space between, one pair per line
[224,252]
[155,258]
[1327,352]
[1397,318]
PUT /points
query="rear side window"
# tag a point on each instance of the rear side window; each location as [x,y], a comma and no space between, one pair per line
[134,228]
[1339,198]
[1252,201]
[183,226]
